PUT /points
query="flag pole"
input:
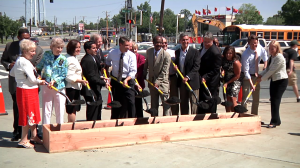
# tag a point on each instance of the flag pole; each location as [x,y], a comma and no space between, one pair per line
[207,10]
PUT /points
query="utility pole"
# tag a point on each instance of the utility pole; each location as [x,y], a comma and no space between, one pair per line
[35,14]
[161,16]
[30,15]
[39,10]
[125,17]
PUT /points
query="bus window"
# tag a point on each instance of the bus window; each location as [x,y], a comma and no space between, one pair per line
[260,34]
[290,35]
[295,35]
[244,35]
[252,33]
[280,35]
[274,35]
[267,35]
[298,35]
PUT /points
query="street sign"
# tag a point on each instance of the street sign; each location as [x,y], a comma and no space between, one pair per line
[128,11]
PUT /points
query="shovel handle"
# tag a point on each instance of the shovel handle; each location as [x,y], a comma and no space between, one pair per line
[87,85]
[155,87]
[119,82]
[207,89]
[251,91]
[180,74]
[224,90]
[138,84]
[54,88]
[109,89]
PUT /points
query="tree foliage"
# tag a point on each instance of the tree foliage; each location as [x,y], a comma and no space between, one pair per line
[275,20]
[290,12]
[187,17]
[249,15]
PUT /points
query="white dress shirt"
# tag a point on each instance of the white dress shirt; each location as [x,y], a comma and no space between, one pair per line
[248,60]
[74,72]
[129,63]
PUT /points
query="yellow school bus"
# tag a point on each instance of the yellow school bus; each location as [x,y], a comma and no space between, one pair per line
[268,32]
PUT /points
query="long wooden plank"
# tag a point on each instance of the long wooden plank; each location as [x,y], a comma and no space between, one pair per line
[119,136]
[139,121]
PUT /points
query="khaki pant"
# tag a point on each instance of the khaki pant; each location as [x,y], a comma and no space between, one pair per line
[185,96]
[292,78]
[174,92]
[255,95]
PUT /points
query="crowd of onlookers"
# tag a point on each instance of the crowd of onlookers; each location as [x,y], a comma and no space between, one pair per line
[194,76]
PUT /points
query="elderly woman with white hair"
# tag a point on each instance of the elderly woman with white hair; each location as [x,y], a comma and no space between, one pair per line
[53,68]
[27,93]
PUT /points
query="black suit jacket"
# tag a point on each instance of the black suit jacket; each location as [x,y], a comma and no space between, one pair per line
[90,69]
[10,54]
[210,66]
[191,67]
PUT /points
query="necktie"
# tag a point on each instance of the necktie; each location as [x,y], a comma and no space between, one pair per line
[120,72]
[256,63]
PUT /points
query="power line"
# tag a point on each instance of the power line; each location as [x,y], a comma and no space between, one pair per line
[88,6]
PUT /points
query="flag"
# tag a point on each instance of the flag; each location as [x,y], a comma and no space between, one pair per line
[151,18]
[199,12]
[204,12]
[227,9]
[216,9]
[234,10]
[196,12]
[209,12]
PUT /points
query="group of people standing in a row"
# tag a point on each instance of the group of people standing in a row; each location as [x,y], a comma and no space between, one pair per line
[30,67]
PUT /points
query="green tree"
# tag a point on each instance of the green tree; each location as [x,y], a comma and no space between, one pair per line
[290,12]
[15,28]
[249,15]
[275,20]
[5,26]
[187,17]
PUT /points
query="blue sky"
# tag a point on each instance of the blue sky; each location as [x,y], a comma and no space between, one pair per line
[66,10]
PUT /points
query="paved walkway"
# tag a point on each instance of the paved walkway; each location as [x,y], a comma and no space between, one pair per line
[277,147]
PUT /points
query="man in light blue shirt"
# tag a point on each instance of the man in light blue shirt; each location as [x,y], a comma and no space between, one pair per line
[250,61]
[124,68]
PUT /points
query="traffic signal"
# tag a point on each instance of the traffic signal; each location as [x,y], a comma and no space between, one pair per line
[130,21]
[51,1]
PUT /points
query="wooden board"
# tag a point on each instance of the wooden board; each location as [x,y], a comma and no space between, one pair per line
[110,133]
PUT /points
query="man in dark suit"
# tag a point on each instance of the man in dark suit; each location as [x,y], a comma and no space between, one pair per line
[10,54]
[187,60]
[90,69]
[211,61]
